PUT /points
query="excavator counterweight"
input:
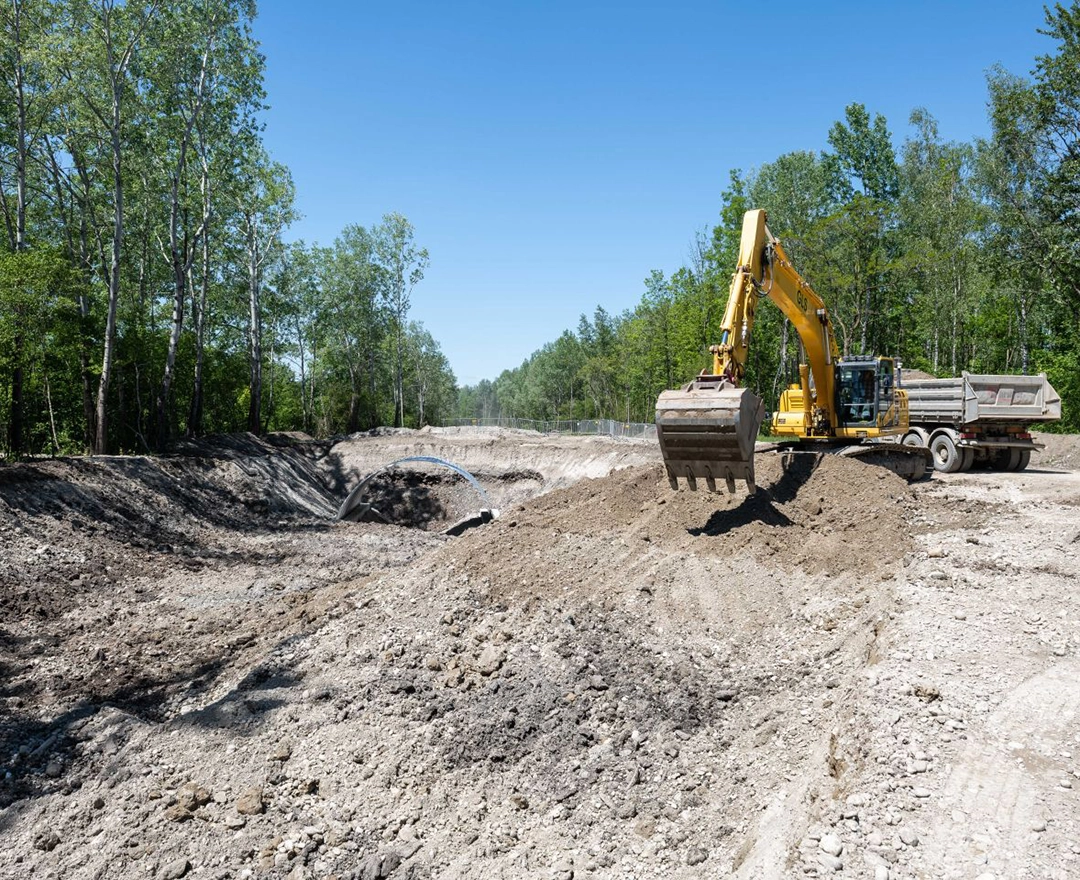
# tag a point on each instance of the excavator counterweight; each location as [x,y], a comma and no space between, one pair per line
[707,430]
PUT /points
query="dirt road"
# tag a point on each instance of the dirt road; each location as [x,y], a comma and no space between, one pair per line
[205,675]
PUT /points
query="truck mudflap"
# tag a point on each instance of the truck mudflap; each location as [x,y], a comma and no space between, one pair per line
[910,462]
[707,430]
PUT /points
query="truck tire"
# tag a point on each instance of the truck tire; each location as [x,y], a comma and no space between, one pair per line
[947,457]
[1018,459]
[967,459]
[998,460]
[915,437]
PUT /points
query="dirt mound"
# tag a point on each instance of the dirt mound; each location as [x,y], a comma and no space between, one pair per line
[815,513]
[1062,451]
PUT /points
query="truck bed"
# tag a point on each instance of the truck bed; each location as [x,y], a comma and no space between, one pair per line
[982,399]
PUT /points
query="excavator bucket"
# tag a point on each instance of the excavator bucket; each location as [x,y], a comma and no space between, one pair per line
[707,431]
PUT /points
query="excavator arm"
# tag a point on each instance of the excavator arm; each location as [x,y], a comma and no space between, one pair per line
[708,428]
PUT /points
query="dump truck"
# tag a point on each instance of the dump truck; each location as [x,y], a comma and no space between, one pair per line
[979,420]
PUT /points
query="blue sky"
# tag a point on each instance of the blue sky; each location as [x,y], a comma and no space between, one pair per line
[550,154]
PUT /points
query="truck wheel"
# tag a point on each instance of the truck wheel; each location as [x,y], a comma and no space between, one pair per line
[967,459]
[913,439]
[1018,459]
[999,460]
[946,457]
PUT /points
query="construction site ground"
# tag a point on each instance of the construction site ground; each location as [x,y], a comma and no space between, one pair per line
[204,674]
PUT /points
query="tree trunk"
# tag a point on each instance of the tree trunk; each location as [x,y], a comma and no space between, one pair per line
[177,323]
[198,318]
[254,339]
[101,438]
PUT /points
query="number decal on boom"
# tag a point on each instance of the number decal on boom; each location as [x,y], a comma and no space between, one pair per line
[801,301]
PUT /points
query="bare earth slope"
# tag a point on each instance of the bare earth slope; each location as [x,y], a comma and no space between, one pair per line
[205,675]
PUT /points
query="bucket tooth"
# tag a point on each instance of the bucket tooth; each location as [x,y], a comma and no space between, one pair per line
[691,480]
[730,478]
[673,481]
[710,480]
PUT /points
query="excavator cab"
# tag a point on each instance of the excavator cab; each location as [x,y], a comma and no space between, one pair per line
[864,389]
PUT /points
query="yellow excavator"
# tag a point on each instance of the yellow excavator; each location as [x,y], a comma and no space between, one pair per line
[851,405]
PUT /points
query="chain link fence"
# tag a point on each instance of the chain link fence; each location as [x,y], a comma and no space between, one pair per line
[598,427]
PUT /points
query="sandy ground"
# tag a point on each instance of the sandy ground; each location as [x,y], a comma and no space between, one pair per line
[205,675]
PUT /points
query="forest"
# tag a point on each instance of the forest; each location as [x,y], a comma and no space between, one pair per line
[147,290]
[950,256]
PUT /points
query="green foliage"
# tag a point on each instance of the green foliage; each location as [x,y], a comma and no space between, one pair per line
[144,288]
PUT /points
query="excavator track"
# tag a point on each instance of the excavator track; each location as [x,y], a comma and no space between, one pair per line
[910,462]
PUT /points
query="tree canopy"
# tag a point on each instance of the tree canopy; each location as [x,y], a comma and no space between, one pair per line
[146,290]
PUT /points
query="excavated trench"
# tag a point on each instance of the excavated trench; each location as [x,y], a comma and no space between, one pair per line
[435,501]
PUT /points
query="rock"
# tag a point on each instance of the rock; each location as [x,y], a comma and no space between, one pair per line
[909,837]
[251,802]
[831,844]
[1038,825]
[47,840]
[1065,782]
[175,870]
[519,801]
[921,792]
[235,822]
[179,813]
[191,796]
[881,873]
[830,862]
[695,856]
[370,868]
[563,869]
[282,752]
[490,660]
[888,854]
[627,811]
[54,768]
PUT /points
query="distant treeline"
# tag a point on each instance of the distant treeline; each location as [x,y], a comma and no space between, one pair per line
[145,290]
[951,256]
